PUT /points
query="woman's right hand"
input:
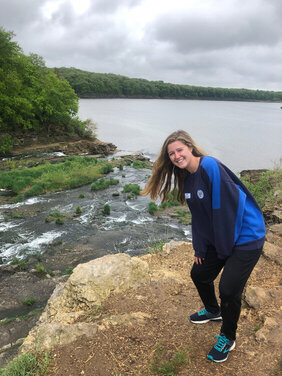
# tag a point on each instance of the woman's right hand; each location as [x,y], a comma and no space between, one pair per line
[198,260]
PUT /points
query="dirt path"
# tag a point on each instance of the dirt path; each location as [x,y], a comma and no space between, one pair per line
[164,306]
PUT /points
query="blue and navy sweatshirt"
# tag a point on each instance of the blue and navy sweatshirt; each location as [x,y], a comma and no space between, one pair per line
[225,215]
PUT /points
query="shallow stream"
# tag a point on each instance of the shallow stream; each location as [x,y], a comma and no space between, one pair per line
[129,227]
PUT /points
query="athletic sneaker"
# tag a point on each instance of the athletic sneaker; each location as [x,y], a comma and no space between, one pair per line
[205,316]
[219,352]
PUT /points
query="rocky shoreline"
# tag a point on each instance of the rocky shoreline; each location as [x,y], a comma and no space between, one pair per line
[17,285]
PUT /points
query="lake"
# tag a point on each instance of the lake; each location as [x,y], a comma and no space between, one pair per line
[243,135]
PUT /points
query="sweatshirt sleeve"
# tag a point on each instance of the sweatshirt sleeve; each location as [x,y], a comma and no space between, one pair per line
[228,202]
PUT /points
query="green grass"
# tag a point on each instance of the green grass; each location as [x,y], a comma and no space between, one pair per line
[21,264]
[170,367]
[156,246]
[184,216]
[57,217]
[103,184]
[68,271]
[28,365]
[29,301]
[139,164]
[132,188]
[268,183]
[48,177]
[152,207]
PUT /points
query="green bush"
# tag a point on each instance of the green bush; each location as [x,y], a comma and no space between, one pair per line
[103,184]
[40,269]
[81,195]
[78,210]
[106,169]
[59,221]
[106,209]
[152,207]
[132,188]
[139,164]
[29,301]
[6,144]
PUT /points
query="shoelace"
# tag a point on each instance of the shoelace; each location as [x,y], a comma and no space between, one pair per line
[202,312]
[221,342]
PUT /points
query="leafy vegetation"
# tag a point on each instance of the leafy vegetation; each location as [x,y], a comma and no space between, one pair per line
[48,177]
[152,207]
[21,264]
[32,97]
[28,365]
[156,246]
[132,188]
[161,366]
[93,85]
[103,184]
[139,164]
[106,209]
[29,301]
[265,186]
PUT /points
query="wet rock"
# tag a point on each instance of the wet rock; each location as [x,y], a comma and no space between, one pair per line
[115,194]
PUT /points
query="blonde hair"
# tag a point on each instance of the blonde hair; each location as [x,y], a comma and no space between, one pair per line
[159,183]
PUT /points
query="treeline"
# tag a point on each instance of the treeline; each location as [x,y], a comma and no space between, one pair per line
[95,85]
[32,97]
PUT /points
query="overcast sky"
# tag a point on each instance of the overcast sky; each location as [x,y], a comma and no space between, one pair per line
[224,43]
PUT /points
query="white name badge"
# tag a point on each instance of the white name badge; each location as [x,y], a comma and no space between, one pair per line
[187,196]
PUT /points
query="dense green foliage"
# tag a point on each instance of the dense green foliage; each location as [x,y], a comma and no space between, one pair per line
[92,85]
[32,97]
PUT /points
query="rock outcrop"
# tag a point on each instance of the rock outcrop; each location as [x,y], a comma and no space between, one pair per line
[89,285]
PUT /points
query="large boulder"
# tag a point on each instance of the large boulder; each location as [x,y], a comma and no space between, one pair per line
[85,290]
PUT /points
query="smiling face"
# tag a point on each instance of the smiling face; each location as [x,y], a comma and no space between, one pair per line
[181,156]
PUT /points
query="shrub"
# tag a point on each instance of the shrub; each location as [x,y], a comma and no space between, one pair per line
[6,144]
[139,164]
[152,207]
[59,221]
[29,301]
[81,195]
[132,188]
[78,210]
[40,269]
[120,167]
[106,209]
[106,169]
[103,184]
[68,271]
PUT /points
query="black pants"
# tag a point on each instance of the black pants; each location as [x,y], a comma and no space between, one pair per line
[237,269]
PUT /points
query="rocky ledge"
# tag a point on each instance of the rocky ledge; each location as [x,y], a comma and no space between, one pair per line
[153,294]
[67,147]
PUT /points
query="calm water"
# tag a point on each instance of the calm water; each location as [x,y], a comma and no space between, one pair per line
[243,135]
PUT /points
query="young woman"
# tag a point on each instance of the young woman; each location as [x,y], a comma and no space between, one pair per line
[228,230]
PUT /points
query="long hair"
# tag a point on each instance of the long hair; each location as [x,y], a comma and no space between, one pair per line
[159,183]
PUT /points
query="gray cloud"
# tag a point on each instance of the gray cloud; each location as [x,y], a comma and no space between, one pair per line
[216,43]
